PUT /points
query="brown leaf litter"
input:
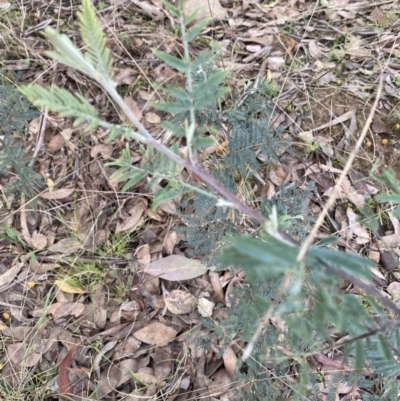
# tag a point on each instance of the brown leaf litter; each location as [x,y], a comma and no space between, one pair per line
[135,333]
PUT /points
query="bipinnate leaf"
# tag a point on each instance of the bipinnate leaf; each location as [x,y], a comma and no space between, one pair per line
[67,53]
[62,101]
[195,31]
[156,334]
[172,61]
[164,195]
[176,268]
[261,260]
[351,263]
[93,36]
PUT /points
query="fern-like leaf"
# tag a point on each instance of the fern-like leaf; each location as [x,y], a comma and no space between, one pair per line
[62,101]
[93,36]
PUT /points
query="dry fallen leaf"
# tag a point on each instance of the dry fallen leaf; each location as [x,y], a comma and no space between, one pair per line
[104,150]
[163,362]
[274,63]
[61,309]
[205,307]
[176,268]
[156,334]
[10,274]
[66,246]
[18,353]
[132,104]
[230,362]
[209,9]
[152,118]
[170,242]
[134,220]
[219,383]
[179,302]
[58,194]
[38,241]
[362,234]
[63,285]
[56,143]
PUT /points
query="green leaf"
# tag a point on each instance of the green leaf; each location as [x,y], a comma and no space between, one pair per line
[179,94]
[173,10]
[260,259]
[178,131]
[385,348]
[210,100]
[117,130]
[195,31]
[360,356]
[172,61]
[328,241]
[210,84]
[388,198]
[203,142]
[62,101]
[67,53]
[351,263]
[170,107]
[190,18]
[123,160]
[134,177]
[93,36]
[164,195]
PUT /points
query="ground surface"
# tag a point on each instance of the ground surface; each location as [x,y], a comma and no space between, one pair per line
[78,310]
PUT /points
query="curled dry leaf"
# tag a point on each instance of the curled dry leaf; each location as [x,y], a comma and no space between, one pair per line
[362,234]
[205,307]
[156,334]
[278,175]
[134,220]
[274,63]
[58,194]
[170,242]
[56,143]
[179,302]
[38,241]
[143,256]
[230,361]
[152,118]
[64,383]
[176,268]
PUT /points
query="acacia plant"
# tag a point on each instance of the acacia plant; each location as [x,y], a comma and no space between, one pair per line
[287,282]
